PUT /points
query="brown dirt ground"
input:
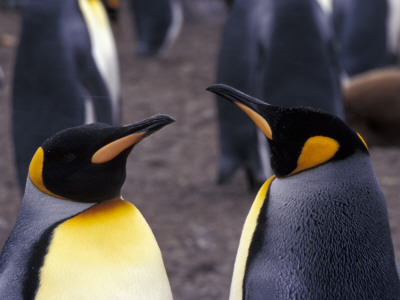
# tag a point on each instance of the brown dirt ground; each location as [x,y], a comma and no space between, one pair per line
[171,176]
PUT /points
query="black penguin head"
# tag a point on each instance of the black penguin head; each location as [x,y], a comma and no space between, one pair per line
[88,163]
[300,138]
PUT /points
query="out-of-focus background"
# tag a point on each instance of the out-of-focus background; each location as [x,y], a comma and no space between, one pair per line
[171,176]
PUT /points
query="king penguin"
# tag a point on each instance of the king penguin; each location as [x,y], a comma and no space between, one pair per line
[318,228]
[75,237]
[157,25]
[283,49]
[65,75]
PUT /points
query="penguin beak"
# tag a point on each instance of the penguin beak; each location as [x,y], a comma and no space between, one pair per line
[251,106]
[128,136]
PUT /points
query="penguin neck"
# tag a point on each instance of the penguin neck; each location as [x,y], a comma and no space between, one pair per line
[46,207]
[356,167]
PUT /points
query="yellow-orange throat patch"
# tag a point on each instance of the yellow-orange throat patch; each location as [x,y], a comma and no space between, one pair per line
[105,252]
[316,150]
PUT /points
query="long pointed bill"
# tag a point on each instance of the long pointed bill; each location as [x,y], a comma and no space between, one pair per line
[248,104]
[128,136]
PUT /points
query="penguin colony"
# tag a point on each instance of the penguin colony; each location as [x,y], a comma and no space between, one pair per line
[157,25]
[280,49]
[75,237]
[318,228]
[368,36]
[66,73]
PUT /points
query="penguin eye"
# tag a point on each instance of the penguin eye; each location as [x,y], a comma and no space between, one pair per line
[69,156]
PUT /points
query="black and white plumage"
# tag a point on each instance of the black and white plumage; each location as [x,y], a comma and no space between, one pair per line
[66,73]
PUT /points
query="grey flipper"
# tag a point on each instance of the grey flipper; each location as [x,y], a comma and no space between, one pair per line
[54,72]
[327,236]
[361,28]
[157,24]
[38,212]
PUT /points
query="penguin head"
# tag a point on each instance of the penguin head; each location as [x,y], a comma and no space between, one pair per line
[88,163]
[300,138]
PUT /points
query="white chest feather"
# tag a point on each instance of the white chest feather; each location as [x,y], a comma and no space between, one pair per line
[106,252]
[103,46]
[326,5]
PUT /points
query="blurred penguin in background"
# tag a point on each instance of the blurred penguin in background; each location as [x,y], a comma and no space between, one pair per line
[112,8]
[66,73]
[280,50]
[361,28]
[157,25]
[369,35]
[229,3]
[394,30]
[13,3]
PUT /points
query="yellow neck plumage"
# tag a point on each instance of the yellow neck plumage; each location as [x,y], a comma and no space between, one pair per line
[105,252]
[245,241]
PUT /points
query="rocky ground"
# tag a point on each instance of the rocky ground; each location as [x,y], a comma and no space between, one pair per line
[171,176]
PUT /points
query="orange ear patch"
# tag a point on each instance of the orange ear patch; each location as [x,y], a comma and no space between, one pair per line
[316,150]
[111,150]
[36,171]
[260,121]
